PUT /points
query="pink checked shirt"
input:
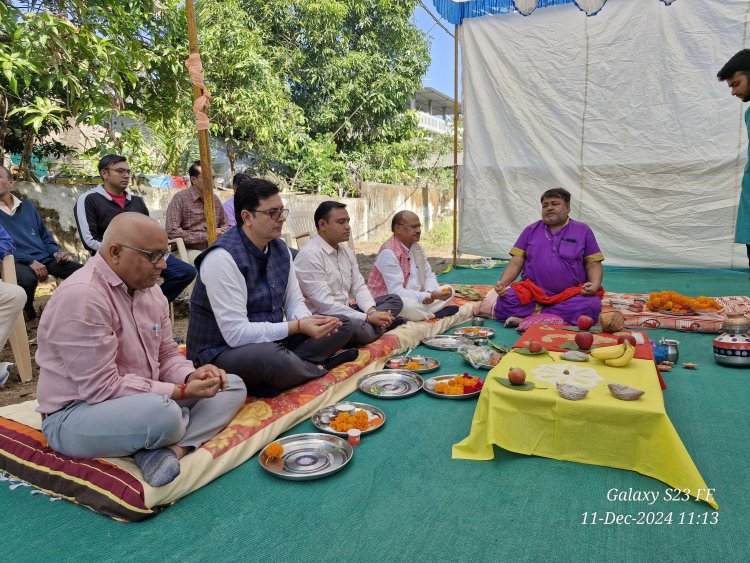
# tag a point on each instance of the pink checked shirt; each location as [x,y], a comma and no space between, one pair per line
[97,342]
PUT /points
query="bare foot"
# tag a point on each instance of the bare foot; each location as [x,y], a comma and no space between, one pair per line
[512,321]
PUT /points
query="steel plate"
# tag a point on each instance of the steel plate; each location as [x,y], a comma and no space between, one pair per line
[446,342]
[308,456]
[319,416]
[390,383]
[429,387]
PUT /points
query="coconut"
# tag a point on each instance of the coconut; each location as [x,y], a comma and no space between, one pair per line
[611,321]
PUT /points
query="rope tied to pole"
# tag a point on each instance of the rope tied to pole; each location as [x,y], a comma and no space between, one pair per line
[195,71]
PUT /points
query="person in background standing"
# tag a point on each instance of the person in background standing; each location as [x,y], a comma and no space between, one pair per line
[736,73]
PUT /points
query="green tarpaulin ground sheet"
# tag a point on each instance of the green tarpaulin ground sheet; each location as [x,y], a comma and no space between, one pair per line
[402,497]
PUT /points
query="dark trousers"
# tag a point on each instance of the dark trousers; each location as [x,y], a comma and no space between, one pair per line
[177,276]
[28,281]
[363,332]
[287,363]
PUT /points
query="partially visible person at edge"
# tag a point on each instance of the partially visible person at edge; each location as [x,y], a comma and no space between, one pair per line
[186,215]
[247,314]
[560,265]
[229,204]
[96,208]
[401,268]
[736,73]
[36,254]
[328,274]
[111,380]
[12,296]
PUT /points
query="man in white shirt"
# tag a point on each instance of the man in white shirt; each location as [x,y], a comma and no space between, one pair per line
[328,274]
[401,267]
[247,310]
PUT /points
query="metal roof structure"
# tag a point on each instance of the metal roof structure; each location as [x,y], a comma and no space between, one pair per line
[433,102]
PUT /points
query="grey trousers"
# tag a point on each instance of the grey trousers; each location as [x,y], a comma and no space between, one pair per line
[122,426]
[364,332]
[286,363]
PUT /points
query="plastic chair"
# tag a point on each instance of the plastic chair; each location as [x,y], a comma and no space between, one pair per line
[301,225]
[19,341]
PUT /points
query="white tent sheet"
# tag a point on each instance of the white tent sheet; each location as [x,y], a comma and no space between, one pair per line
[624,110]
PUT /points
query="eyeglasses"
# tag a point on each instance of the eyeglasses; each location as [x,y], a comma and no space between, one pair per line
[121,171]
[274,214]
[153,256]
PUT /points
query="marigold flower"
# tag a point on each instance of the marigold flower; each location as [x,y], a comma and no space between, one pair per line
[274,450]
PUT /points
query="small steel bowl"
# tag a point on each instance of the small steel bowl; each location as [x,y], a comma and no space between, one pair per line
[396,362]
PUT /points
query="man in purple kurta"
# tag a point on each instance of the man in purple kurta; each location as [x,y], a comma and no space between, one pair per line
[560,265]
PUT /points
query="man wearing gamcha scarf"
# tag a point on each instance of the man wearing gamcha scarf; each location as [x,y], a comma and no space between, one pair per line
[401,268]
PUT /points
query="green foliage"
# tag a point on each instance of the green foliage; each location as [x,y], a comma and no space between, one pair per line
[351,64]
[440,235]
[80,62]
[320,168]
[311,90]
[250,108]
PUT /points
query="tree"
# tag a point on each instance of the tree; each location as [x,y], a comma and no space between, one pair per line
[68,62]
[311,90]
[251,110]
[351,64]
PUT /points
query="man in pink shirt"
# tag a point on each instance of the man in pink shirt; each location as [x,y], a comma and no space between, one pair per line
[112,381]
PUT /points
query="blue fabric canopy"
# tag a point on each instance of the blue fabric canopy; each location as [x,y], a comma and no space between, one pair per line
[455,12]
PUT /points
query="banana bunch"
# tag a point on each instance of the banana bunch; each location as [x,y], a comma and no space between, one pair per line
[615,356]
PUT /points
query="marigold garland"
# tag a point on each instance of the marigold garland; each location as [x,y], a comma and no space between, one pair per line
[673,301]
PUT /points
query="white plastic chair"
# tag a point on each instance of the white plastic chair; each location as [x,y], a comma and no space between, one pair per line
[301,225]
[19,341]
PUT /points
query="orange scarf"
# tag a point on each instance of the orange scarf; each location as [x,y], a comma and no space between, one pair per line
[527,291]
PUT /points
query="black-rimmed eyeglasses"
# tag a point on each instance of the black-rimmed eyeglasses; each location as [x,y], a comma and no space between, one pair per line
[274,214]
[153,256]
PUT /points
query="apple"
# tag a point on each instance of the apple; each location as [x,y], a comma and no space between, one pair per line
[534,346]
[516,376]
[629,337]
[585,322]
[584,340]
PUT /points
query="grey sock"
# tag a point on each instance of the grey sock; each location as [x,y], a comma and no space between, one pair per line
[159,466]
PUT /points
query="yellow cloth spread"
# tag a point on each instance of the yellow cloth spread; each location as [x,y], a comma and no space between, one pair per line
[599,429]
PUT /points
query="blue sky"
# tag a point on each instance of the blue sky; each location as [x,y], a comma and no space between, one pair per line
[440,73]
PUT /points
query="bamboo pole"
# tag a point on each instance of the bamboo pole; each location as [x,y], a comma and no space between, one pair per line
[203,146]
[455,147]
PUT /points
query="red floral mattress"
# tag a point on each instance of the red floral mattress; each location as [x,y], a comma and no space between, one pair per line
[113,486]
